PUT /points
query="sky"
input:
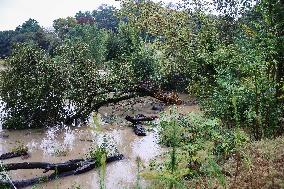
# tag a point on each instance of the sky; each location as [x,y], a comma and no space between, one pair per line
[15,12]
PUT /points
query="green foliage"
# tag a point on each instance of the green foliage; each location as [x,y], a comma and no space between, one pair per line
[4,177]
[130,57]
[37,87]
[76,75]
[103,172]
[243,90]
[98,154]
[6,42]
[2,62]
[63,25]
[233,66]
[172,36]
[94,37]
[31,89]
[19,148]
[30,25]
[105,17]
[76,72]
[171,135]
[123,43]
[29,31]
[84,18]
[199,133]
[231,62]
[78,69]
[244,94]
[138,177]
[197,144]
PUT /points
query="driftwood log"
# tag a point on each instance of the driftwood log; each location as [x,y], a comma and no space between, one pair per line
[71,167]
[13,154]
[137,123]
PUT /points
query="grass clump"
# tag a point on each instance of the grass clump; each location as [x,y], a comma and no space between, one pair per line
[99,155]
[19,148]
[205,154]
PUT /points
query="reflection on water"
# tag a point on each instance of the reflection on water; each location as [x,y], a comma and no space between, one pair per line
[146,145]
[44,145]
[51,143]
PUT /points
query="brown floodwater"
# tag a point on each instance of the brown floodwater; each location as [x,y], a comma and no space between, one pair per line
[62,143]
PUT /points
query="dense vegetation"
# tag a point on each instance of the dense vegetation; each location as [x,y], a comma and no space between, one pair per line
[227,54]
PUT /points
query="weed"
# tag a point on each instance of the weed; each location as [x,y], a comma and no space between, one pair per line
[198,146]
[19,148]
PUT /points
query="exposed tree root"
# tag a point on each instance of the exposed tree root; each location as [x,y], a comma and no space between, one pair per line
[71,167]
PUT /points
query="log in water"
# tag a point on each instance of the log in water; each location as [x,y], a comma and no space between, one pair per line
[13,154]
[137,120]
[71,167]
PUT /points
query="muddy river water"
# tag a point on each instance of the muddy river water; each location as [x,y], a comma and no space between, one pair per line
[62,143]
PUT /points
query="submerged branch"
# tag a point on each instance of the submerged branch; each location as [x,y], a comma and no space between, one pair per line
[71,167]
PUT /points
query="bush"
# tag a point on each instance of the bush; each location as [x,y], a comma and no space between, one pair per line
[195,132]
[244,92]
[198,146]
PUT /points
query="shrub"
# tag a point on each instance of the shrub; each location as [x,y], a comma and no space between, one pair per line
[31,88]
[244,92]
[198,146]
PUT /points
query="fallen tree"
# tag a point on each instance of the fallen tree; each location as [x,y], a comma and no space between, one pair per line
[137,91]
[71,167]
[72,87]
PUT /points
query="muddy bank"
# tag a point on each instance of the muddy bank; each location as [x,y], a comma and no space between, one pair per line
[62,143]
